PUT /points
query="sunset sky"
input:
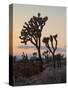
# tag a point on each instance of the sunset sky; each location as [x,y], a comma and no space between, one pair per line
[56,24]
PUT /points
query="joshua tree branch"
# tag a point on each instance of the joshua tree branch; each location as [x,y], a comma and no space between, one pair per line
[55,46]
[52,45]
[49,48]
[32,42]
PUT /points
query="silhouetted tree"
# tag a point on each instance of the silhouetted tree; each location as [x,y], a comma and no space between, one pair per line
[32,32]
[59,57]
[53,47]
[26,57]
[46,54]
[34,54]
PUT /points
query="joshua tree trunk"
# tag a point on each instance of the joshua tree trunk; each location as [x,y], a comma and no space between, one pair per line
[53,60]
[39,54]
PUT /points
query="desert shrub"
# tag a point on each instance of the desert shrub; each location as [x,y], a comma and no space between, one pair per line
[26,68]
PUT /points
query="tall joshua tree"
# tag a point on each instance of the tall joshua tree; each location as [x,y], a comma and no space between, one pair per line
[53,47]
[32,32]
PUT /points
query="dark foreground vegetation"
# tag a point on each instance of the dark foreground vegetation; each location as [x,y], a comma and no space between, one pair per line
[27,72]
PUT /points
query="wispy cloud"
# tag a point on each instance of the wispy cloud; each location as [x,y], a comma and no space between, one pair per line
[42,47]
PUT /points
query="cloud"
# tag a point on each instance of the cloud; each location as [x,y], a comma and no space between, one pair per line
[42,47]
[25,47]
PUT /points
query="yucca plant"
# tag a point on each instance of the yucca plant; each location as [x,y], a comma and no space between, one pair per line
[53,47]
[32,32]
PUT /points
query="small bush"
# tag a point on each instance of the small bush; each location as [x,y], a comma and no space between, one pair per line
[26,68]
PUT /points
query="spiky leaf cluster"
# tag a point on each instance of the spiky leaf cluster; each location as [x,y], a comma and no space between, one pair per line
[32,29]
[53,47]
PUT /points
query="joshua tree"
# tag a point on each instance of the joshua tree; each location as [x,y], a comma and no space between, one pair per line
[34,54]
[45,54]
[32,32]
[53,47]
